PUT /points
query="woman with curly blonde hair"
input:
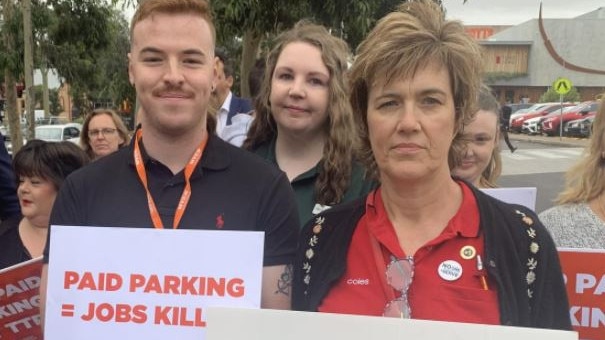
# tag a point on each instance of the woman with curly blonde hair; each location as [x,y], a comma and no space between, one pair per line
[304,123]
[578,221]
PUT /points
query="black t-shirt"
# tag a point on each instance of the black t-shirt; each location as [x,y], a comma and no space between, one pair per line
[12,250]
[231,189]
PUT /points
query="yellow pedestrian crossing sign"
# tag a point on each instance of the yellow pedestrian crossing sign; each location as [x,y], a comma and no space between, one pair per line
[562,85]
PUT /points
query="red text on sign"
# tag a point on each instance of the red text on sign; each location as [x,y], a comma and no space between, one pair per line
[106,312]
[187,285]
[88,281]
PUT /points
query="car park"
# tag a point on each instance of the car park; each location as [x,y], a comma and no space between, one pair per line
[532,108]
[521,112]
[580,127]
[552,124]
[516,107]
[555,113]
[51,121]
[586,127]
[516,124]
[56,133]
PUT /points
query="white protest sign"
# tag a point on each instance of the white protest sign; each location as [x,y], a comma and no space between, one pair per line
[145,283]
[267,324]
[521,196]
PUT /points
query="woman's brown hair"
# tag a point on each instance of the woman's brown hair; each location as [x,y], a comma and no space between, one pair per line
[336,165]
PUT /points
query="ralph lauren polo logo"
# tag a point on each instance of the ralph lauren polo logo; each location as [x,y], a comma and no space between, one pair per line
[220,221]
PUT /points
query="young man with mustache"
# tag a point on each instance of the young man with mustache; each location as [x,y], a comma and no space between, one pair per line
[173,68]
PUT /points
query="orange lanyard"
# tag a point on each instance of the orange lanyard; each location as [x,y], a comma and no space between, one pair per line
[184,201]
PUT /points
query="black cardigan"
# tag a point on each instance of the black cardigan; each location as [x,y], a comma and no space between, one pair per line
[520,257]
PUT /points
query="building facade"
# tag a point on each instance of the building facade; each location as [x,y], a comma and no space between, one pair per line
[523,61]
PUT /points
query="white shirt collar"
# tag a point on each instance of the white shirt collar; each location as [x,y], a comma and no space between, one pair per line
[227,103]
[223,112]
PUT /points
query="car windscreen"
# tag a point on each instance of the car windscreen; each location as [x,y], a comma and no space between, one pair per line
[49,134]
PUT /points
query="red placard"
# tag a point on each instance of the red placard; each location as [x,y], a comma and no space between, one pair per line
[584,271]
[20,301]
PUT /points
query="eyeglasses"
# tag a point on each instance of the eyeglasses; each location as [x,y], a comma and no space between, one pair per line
[104,132]
[400,273]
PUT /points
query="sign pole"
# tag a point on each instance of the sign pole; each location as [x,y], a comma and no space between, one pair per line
[562,86]
[561,118]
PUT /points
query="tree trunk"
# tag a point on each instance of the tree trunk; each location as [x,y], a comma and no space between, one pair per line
[250,44]
[28,56]
[45,94]
[10,107]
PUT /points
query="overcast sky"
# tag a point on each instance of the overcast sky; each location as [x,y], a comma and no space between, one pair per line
[505,12]
[513,12]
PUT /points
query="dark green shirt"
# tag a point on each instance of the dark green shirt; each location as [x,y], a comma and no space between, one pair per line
[304,184]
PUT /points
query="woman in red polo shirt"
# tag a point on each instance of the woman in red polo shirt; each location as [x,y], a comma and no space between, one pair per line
[424,245]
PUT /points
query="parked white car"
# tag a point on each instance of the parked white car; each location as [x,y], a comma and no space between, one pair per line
[56,133]
[532,125]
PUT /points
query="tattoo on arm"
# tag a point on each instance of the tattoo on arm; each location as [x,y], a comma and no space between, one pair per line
[284,283]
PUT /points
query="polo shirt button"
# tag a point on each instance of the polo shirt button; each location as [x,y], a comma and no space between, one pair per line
[492,263]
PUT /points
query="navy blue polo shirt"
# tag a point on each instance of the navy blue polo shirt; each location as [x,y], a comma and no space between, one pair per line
[231,189]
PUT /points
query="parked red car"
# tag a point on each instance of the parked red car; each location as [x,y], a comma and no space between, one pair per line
[516,124]
[551,125]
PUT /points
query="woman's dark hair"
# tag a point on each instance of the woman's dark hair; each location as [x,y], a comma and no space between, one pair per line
[52,161]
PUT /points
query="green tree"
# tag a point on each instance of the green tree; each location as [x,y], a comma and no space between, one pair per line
[28,64]
[112,65]
[251,21]
[551,96]
[76,42]
[351,20]
[54,105]
[11,63]
[43,18]
[248,23]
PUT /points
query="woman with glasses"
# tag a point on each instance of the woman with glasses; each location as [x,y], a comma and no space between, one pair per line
[103,132]
[424,245]
[40,168]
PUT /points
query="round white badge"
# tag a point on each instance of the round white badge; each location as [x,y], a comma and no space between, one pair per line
[450,270]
